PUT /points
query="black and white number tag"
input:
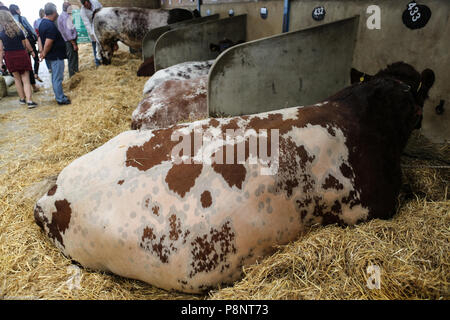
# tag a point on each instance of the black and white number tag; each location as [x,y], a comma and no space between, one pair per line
[318,13]
[263,12]
[416,15]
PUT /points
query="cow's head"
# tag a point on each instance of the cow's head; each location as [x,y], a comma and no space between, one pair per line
[418,84]
[223,45]
[106,56]
[106,51]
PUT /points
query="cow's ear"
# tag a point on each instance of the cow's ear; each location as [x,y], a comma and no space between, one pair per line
[356,76]
[426,82]
[214,47]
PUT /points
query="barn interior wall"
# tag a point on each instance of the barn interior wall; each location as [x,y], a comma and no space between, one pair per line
[125,3]
[423,48]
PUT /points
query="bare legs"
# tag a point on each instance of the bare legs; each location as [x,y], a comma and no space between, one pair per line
[23,85]
[27,85]
[19,85]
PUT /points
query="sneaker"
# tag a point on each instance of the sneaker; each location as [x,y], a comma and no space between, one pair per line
[22,101]
[65,102]
[37,78]
[32,105]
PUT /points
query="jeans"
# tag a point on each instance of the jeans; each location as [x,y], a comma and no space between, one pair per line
[72,57]
[57,67]
[94,47]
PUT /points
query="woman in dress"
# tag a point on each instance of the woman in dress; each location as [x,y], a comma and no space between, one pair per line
[32,37]
[15,50]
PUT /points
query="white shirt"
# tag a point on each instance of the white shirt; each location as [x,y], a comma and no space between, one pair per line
[86,16]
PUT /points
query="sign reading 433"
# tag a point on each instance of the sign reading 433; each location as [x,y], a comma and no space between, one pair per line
[416,16]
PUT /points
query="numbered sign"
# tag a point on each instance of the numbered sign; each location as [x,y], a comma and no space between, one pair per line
[318,13]
[263,12]
[416,15]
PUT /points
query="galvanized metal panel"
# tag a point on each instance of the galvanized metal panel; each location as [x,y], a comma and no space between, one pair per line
[191,43]
[296,68]
[148,44]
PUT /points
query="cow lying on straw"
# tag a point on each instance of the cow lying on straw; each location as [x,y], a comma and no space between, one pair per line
[187,206]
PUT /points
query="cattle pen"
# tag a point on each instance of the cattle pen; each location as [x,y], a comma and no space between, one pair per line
[331,262]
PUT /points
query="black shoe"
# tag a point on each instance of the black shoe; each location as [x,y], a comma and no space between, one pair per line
[22,101]
[65,102]
[32,105]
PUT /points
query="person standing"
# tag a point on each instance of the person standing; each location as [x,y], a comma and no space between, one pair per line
[69,34]
[54,51]
[88,7]
[32,37]
[36,25]
[38,21]
[12,49]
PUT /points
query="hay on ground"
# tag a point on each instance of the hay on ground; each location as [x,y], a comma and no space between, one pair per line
[327,263]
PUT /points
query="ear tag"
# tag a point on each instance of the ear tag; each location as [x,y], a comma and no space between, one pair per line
[420,86]
[361,79]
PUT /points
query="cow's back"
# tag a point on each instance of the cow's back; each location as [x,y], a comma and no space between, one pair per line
[128,25]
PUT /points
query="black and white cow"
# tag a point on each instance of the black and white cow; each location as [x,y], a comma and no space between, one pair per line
[130,25]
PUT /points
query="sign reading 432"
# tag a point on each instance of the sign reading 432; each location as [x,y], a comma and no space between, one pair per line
[416,16]
[318,13]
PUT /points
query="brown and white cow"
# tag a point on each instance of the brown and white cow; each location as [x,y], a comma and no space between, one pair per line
[183,71]
[177,93]
[174,94]
[253,182]
[130,25]
[171,102]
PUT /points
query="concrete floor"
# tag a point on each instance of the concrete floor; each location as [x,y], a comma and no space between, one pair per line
[15,118]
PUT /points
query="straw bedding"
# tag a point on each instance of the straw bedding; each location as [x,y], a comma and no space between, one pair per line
[412,249]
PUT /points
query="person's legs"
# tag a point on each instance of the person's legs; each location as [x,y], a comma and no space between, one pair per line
[27,85]
[94,47]
[75,62]
[19,85]
[33,81]
[57,67]
[36,64]
[72,57]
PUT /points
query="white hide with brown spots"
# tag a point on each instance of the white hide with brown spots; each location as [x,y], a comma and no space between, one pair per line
[182,71]
[171,102]
[190,227]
